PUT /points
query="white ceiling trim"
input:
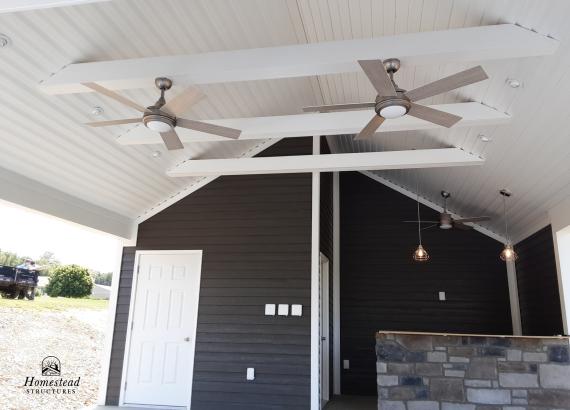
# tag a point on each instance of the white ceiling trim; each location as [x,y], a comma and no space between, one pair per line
[413,49]
[197,184]
[429,204]
[332,123]
[27,192]
[12,6]
[427,158]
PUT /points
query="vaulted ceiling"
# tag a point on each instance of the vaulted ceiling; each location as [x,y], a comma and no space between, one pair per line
[43,138]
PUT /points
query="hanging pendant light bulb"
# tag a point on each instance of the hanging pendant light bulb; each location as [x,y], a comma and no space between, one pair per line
[508,253]
[420,254]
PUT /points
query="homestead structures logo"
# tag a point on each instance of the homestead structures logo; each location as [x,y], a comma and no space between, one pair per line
[50,381]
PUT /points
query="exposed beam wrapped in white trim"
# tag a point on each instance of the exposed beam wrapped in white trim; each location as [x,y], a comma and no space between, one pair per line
[435,47]
[12,6]
[427,158]
[332,123]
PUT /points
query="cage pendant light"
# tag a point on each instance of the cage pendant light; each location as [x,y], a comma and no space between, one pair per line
[508,253]
[420,254]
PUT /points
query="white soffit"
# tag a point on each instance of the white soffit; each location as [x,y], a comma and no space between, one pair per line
[434,47]
[11,6]
[430,158]
[334,123]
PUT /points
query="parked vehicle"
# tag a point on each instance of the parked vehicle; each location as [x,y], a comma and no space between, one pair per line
[18,283]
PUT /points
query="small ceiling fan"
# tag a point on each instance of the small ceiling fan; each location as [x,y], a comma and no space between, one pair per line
[394,102]
[446,221]
[163,117]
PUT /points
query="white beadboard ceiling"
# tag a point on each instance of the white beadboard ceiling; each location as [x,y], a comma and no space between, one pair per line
[43,138]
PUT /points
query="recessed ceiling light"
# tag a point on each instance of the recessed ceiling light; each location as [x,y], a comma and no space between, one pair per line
[156,154]
[514,83]
[97,111]
[4,40]
[484,138]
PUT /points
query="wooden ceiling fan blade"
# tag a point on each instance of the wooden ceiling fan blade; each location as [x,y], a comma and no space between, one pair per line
[473,219]
[208,128]
[337,107]
[434,116]
[171,140]
[370,128]
[115,96]
[180,104]
[462,226]
[461,79]
[113,122]
[376,73]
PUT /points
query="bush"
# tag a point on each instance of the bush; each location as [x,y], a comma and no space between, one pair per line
[70,281]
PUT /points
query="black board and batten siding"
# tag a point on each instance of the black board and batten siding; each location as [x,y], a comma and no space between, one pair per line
[255,233]
[383,289]
[537,280]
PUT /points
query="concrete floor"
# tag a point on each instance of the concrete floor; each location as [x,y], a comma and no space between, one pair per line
[353,403]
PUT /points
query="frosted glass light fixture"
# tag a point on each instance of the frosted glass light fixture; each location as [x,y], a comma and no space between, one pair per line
[508,253]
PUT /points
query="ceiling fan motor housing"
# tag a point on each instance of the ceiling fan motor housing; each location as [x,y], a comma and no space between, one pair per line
[445,222]
[392,106]
[158,121]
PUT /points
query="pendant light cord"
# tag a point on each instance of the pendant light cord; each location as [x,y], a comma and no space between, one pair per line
[506,219]
[418,203]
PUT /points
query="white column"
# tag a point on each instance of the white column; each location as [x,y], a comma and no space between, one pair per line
[336,284]
[315,305]
[560,223]
[514,297]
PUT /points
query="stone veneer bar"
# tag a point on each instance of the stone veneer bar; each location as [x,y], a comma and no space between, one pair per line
[432,371]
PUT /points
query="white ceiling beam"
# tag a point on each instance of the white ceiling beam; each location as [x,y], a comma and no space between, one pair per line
[333,123]
[437,47]
[12,6]
[428,158]
[23,191]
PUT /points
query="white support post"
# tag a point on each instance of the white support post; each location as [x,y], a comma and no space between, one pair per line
[560,224]
[315,286]
[336,284]
[514,297]
[111,312]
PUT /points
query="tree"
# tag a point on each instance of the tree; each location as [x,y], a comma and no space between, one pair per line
[47,262]
[10,258]
[102,278]
[70,281]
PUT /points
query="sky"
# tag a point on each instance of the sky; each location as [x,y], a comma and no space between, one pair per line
[30,233]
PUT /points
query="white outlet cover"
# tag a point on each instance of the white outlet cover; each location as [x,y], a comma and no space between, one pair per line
[250,375]
[442,296]
[270,309]
[346,364]
[283,310]
[296,310]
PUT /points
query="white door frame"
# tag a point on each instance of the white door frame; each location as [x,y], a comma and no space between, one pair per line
[138,254]
[324,299]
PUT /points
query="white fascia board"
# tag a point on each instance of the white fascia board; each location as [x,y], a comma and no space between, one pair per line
[21,190]
[436,47]
[12,6]
[332,123]
[427,158]
[429,204]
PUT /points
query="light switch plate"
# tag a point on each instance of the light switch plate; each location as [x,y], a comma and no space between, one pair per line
[270,309]
[442,296]
[250,373]
[283,310]
[346,364]
[296,310]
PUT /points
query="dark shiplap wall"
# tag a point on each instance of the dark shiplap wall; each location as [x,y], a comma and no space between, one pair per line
[255,232]
[383,289]
[538,285]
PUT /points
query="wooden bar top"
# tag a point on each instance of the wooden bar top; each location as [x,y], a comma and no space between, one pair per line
[398,332]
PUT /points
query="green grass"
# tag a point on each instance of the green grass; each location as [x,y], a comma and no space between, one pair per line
[49,303]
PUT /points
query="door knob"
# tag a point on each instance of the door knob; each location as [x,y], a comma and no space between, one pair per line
[187,339]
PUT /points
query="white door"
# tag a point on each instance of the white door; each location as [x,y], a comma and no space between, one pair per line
[324,329]
[163,329]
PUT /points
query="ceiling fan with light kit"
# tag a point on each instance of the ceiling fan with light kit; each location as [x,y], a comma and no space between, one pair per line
[446,221]
[163,117]
[394,102]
